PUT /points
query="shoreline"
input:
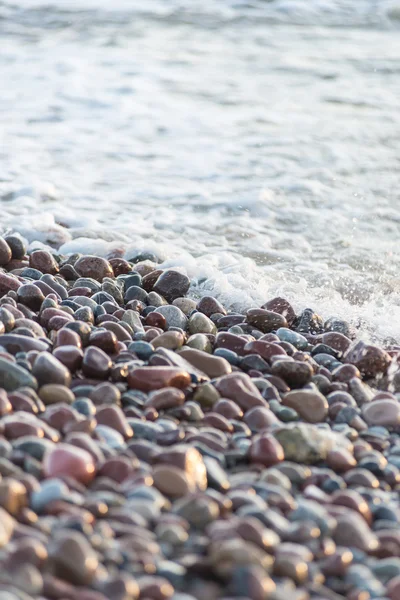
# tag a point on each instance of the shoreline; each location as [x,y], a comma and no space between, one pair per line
[154,446]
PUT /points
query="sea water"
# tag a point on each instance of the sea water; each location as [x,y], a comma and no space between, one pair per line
[254,144]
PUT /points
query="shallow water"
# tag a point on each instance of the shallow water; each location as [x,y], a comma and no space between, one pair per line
[254,143]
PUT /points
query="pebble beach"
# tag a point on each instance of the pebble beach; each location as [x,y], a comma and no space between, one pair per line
[199,300]
[157,446]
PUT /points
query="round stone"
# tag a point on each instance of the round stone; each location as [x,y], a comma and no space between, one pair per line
[43,261]
[93,267]
[68,460]
[174,317]
[172,284]
[5,252]
[309,405]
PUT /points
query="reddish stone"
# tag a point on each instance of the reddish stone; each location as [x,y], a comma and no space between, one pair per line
[265,320]
[70,356]
[8,283]
[120,266]
[43,261]
[94,266]
[370,360]
[210,306]
[67,337]
[265,349]
[283,307]
[240,388]
[154,378]
[5,253]
[66,459]
[96,363]
[165,398]
[115,418]
[233,342]
[266,450]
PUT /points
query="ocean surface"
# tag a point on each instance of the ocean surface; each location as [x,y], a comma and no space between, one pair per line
[256,144]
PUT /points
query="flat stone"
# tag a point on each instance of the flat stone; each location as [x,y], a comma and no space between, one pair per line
[310,406]
[265,320]
[172,481]
[240,388]
[154,378]
[382,413]
[210,306]
[283,307]
[13,377]
[14,343]
[52,393]
[213,366]
[165,398]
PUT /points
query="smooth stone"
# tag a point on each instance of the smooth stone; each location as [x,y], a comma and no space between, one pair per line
[172,481]
[13,496]
[189,460]
[7,526]
[21,343]
[353,531]
[147,379]
[369,360]
[13,377]
[113,416]
[231,341]
[199,323]
[213,366]
[199,341]
[96,363]
[283,307]
[172,284]
[93,267]
[266,450]
[72,558]
[174,316]
[172,340]
[292,337]
[382,412]
[70,356]
[186,305]
[265,320]
[8,283]
[69,460]
[30,295]
[53,393]
[133,319]
[50,490]
[303,443]
[295,373]
[210,306]
[309,405]
[48,369]
[43,261]
[231,357]
[165,398]
[5,253]
[240,388]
